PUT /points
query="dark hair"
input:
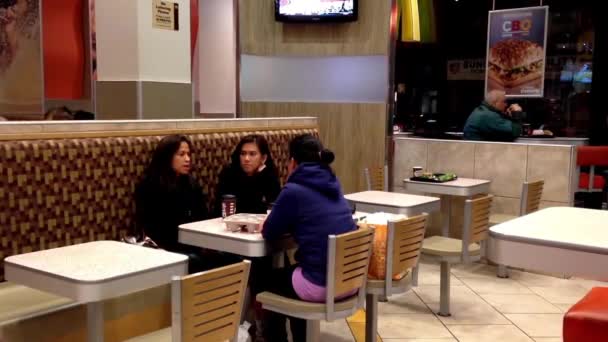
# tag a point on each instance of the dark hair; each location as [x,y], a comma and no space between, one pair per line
[160,170]
[307,148]
[59,113]
[7,3]
[262,145]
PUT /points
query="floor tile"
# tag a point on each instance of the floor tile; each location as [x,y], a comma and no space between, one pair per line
[538,325]
[534,279]
[358,332]
[520,303]
[478,313]
[474,270]
[495,286]
[411,326]
[336,331]
[430,294]
[430,274]
[589,284]
[403,303]
[564,307]
[563,294]
[357,317]
[484,333]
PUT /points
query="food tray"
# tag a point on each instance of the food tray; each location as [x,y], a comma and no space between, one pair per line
[250,223]
[430,180]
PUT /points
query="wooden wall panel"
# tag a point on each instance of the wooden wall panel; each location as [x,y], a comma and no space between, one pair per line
[261,35]
[354,131]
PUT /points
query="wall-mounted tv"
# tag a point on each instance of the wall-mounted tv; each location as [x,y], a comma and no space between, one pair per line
[316,10]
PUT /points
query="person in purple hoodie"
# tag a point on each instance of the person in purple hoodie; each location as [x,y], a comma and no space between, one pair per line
[310,207]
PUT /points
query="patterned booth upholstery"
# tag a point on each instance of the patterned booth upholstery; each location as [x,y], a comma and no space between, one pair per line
[59,192]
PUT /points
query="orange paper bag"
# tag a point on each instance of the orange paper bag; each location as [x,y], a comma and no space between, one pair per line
[377,263]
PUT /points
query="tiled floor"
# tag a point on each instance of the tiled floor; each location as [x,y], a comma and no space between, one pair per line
[527,307]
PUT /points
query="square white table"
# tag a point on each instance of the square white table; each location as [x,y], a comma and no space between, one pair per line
[461,187]
[393,203]
[95,271]
[561,240]
[212,234]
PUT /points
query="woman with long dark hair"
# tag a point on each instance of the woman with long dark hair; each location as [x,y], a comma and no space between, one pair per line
[251,177]
[168,196]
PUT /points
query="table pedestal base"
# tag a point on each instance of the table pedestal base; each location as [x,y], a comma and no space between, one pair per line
[95,322]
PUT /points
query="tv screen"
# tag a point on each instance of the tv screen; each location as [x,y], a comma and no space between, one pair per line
[315,10]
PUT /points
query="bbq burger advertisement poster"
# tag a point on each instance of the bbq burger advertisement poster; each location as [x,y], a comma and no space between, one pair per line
[517,41]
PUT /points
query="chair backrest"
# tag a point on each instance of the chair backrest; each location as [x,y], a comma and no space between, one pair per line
[476,223]
[347,265]
[531,194]
[207,306]
[592,155]
[376,178]
[403,246]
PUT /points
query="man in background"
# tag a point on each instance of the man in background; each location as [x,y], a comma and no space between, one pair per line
[493,121]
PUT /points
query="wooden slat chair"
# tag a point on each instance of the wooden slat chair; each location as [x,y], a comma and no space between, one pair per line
[376,178]
[531,194]
[403,246]
[448,251]
[206,306]
[347,265]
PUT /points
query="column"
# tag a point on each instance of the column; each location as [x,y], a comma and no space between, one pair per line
[143,59]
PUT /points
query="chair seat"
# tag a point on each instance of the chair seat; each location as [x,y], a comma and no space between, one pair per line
[163,335]
[379,283]
[444,246]
[20,301]
[587,320]
[500,218]
[295,306]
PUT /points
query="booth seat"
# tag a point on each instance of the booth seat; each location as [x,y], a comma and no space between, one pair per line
[63,191]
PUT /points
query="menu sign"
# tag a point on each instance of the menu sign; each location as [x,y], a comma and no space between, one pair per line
[165,15]
[517,41]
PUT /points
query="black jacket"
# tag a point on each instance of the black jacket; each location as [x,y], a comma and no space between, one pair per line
[253,193]
[161,209]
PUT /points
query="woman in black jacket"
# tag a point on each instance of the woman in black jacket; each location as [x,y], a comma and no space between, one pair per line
[251,177]
[168,196]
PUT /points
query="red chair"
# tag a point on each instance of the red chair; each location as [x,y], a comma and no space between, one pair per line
[591,156]
[587,320]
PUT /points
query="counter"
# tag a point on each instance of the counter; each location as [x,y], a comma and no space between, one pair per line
[506,165]
[574,141]
[555,141]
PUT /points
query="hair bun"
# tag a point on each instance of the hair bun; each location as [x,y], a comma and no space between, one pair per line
[327,156]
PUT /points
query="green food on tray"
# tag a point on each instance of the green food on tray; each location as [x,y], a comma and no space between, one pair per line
[440,177]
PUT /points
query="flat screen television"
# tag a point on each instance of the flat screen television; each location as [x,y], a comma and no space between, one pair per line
[316,10]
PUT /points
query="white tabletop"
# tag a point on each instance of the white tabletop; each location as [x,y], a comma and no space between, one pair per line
[394,203]
[458,187]
[95,270]
[564,227]
[212,234]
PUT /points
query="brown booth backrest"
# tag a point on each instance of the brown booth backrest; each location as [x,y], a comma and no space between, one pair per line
[65,191]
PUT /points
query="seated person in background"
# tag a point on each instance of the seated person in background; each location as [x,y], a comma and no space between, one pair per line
[168,196]
[59,113]
[251,177]
[493,121]
[311,206]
